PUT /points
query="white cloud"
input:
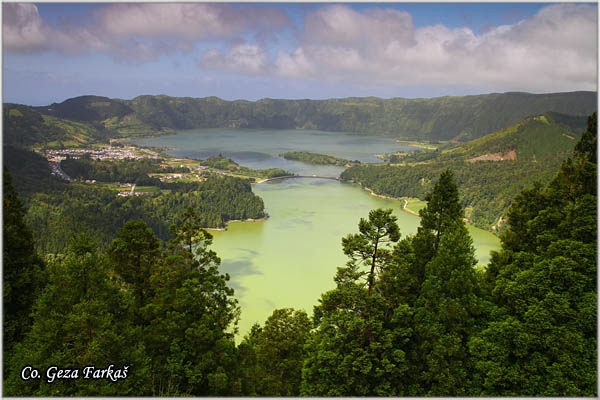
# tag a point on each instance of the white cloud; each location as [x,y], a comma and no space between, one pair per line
[24,31]
[158,20]
[248,58]
[23,28]
[554,50]
[295,65]
[342,26]
[178,26]
[139,31]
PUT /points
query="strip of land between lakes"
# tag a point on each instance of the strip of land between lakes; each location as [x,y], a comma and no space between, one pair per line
[405,201]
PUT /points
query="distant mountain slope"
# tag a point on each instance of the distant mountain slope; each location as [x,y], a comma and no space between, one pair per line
[535,137]
[30,171]
[87,108]
[443,118]
[24,126]
[489,170]
[114,115]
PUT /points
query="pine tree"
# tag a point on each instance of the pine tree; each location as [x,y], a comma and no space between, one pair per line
[353,352]
[441,214]
[280,352]
[369,247]
[446,315]
[443,210]
[190,320]
[249,370]
[356,349]
[543,338]
[134,255]
[447,304]
[24,273]
[82,319]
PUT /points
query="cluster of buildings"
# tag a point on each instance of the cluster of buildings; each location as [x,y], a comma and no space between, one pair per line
[113,153]
[55,157]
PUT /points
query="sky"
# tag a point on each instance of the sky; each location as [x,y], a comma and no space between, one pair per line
[55,51]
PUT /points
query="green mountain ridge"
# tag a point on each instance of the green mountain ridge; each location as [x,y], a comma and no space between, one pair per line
[443,118]
[87,108]
[538,136]
[26,127]
[533,150]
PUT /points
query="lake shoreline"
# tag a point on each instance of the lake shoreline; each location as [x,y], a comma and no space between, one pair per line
[404,205]
[236,220]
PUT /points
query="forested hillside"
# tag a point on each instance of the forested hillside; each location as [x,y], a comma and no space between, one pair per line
[24,126]
[317,159]
[57,210]
[490,170]
[409,315]
[58,215]
[442,118]
[30,170]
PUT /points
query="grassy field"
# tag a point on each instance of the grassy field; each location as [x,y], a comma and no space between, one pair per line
[147,189]
[422,145]
[414,205]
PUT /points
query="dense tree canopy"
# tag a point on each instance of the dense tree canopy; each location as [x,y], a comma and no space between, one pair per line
[271,357]
[542,337]
[100,211]
[490,170]
[23,271]
[81,319]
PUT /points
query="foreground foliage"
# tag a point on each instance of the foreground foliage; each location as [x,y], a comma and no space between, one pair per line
[542,337]
[164,318]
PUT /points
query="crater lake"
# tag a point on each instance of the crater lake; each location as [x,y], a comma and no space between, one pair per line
[290,259]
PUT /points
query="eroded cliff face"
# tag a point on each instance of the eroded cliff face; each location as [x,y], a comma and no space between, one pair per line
[500,156]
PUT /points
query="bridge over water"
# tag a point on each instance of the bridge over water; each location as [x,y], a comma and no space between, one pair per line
[299,176]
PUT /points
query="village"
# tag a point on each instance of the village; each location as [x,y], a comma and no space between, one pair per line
[105,153]
[56,156]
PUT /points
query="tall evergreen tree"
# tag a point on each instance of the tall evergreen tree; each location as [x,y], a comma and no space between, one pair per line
[23,271]
[371,245]
[543,337]
[191,320]
[441,214]
[134,255]
[446,300]
[446,316]
[249,371]
[192,242]
[356,349]
[82,319]
[280,351]
[443,209]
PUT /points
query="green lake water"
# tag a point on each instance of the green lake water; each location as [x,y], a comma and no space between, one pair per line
[290,259]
